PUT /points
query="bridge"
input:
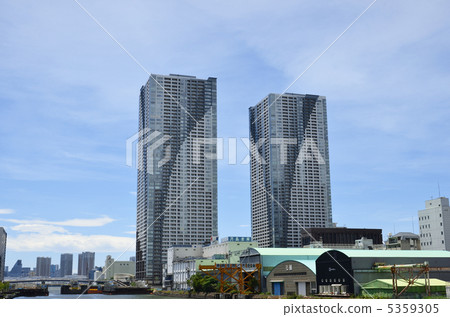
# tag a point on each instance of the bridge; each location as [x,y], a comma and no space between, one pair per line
[51,281]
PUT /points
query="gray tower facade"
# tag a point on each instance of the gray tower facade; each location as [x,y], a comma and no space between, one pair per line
[66,264]
[86,261]
[177,170]
[289,168]
[3,237]
[43,266]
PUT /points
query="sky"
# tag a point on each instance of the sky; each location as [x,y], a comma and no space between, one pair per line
[69,102]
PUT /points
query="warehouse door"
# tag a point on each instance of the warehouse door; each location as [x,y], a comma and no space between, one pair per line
[301,288]
[277,288]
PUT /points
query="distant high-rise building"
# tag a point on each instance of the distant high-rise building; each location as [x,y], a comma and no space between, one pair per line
[54,270]
[434,225]
[16,270]
[289,168]
[3,237]
[86,261]
[177,170]
[66,264]
[133,258]
[43,266]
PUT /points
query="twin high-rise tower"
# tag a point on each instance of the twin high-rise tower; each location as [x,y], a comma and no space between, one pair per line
[289,168]
[177,169]
[177,183]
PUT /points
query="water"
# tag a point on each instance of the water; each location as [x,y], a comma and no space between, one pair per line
[55,293]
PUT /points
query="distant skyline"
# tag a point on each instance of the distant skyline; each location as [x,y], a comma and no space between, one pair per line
[68,103]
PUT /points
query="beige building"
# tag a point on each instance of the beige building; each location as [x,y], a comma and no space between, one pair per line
[114,268]
[403,241]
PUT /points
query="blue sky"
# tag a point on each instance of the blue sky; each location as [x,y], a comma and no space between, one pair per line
[69,96]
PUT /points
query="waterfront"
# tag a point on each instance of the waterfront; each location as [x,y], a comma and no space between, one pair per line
[55,293]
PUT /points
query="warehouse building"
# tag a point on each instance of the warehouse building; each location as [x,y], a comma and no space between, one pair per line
[270,258]
[293,278]
[349,269]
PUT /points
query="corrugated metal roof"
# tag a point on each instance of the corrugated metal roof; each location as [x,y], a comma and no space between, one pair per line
[396,253]
[291,251]
[378,283]
[352,252]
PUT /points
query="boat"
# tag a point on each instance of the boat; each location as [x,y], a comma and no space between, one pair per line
[73,288]
[95,289]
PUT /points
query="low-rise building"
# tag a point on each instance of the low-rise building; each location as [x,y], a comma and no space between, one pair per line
[403,241]
[349,269]
[116,267]
[230,247]
[341,237]
[184,269]
[293,278]
[187,258]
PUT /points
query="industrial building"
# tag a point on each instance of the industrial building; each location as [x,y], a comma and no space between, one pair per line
[417,290]
[113,268]
[269,258]
[352,268]
[305,271]
[293,277]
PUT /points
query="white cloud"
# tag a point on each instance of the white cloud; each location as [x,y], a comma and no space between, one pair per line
[39,228]
[244,226]
[34,242]
[76,222]
[6,211]
[133,193]
[130,232]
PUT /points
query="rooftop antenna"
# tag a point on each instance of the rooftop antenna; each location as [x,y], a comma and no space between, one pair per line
[439,189]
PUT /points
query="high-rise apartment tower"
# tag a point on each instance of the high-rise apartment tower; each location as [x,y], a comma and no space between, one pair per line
[86,262]
[66,264]
[177,170]
[43,266]
[289,168]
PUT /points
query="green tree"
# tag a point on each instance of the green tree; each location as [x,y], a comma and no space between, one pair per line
[252,284]
[4,286]
[210,284]
[195,282]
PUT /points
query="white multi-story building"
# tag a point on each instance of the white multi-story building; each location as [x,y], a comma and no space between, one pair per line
[184,261]
[230,247]
[177,169]
[434,224]
[289,168]
[178,252]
